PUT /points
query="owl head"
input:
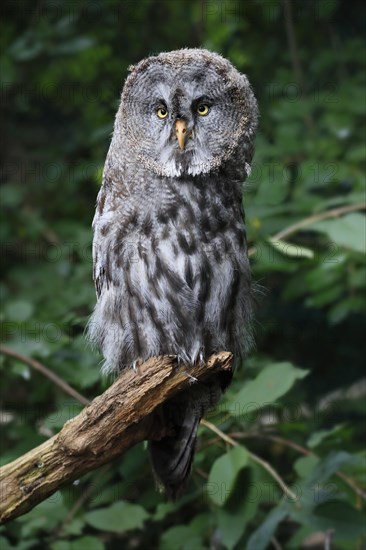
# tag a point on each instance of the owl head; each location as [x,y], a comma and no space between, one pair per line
[186,113]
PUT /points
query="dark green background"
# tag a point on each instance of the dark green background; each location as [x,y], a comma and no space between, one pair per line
[62,68]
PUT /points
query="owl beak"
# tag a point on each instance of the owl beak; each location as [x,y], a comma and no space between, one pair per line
[181,132]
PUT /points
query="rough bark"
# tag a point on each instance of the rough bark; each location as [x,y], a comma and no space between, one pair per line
[113,422]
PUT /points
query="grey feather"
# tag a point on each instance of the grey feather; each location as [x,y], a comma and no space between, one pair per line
[170,258]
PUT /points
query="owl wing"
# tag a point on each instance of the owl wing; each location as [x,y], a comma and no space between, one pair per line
[101,261]
[100,274]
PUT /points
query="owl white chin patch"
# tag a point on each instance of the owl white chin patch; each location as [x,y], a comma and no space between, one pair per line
[199,169]
[171,169]
[175,170]
[170,162]
[197,165]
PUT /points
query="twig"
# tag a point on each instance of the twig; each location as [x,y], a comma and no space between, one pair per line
[291,229]
[301,450]
[46,372]
[255,458]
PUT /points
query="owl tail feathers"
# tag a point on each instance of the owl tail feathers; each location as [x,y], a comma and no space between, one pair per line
[172,456]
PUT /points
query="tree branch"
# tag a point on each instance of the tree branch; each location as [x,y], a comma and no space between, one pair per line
[305,222]
[265,465]
[333,213]
[300,449]
[115,421]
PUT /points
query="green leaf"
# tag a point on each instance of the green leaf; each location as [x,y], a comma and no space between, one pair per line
[4,544]
[357,153]
[231,527]
[333,462]
[186,537]
[299,537]
[233,519]
[120,517]
[162,510]
[317,437]
[223,474]
[73,46]
[75,527]
[67,411]
[292,250]
[181,537]
[25,48]
[325,297]
[348,231]
[90,543]
[346,522]
[357,278]
[46,515]
[305,465]
[21,545]
[271,383]
[10,195]
[261,537]
[343,309]
[61,545]
[326,9]
[19,310]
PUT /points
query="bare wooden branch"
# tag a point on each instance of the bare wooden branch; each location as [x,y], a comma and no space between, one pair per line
[115,421]
[305,222]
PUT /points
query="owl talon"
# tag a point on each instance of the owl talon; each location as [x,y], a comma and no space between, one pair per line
[192,379]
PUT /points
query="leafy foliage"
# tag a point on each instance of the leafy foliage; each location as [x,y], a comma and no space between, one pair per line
[298,402]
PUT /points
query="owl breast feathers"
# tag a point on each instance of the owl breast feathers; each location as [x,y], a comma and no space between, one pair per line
[170,260]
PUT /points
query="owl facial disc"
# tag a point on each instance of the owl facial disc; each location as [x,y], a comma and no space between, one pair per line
[187,113]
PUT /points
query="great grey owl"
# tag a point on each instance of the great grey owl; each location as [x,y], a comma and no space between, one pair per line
[170,259]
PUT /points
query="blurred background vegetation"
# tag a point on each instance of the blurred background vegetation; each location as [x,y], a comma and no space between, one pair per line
[298,401]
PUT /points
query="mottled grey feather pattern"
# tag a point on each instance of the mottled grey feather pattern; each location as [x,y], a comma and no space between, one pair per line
[170,261]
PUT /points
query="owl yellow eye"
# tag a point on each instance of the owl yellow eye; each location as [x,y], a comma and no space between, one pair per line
[203,110]
[161,112]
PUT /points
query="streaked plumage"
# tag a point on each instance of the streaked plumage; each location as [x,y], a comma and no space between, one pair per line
[170,260]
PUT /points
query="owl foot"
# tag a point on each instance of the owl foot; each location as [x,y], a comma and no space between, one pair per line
[134,366]
[192,379]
